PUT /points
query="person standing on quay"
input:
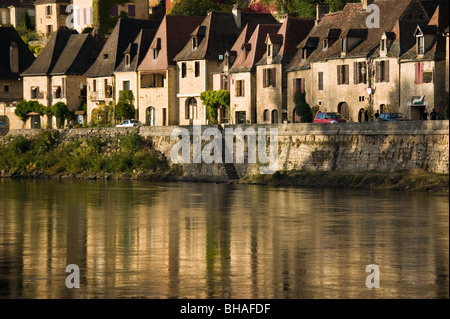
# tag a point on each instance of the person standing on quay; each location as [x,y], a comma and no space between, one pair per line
[433,115]
[425,115]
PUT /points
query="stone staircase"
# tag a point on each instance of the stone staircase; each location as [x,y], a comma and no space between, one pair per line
[230,169]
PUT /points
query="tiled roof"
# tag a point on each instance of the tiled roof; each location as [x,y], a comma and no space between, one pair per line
[51,1]
[79,53]
[256,47]
[8,36]
[49,56]
[7,3]
[112,54]
[220,34]
[352,20]
[173,34]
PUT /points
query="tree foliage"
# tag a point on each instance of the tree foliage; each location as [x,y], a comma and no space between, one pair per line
[25,21]
[124,108]
[193,8]
[25,107]
[302,108]
[60,112]
[304,8]
[213,100]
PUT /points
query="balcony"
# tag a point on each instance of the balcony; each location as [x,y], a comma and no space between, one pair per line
[100,96]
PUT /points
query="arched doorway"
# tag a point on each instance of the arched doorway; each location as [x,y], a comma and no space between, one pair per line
[150,116]
[343,109]
[266,116]
[363,115]
[274,116]
[191,109]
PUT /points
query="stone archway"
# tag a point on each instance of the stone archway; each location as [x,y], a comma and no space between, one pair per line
[363,115]
[344,110]
[274,116]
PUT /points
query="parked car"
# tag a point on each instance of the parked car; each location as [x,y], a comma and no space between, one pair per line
[130,123]
[329,117]
[392,117]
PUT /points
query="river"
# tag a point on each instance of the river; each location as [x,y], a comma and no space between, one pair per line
[136,239]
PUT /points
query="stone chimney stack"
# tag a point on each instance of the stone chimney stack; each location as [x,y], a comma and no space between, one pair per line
[14,57]
[366,3]
[237,15]
[321,10]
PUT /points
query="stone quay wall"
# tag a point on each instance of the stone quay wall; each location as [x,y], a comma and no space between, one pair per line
[343,147]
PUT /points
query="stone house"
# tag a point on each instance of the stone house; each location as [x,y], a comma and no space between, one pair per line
[51,15]
[246,52]
[345,66]
[15,57]
[202,57]
[158,77]
[271,75]
[11,12]
[422,68]
[119,50]
[57,73]
[83,11]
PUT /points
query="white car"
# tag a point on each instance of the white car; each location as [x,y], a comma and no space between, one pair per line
[130,123]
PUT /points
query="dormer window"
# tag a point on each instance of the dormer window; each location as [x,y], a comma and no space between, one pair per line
[156,47]
[325,44]
[269,50]
[105,56]
[304,53]
[383,45]
[127,60]
[420,44]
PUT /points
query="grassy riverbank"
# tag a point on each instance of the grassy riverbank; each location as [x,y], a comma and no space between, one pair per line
[414,180]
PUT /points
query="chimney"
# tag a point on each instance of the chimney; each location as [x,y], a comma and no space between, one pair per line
[14,57]
[237,15]
[321,10]
[365,3]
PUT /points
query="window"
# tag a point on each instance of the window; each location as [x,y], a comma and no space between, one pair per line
[197,69]
[49,29]
[269,50]
[361,98]
[359,72]
[127,60]
[94,86]
[382,71]
[266,116]
[420,45]
[153,80]
[194,43]
[269,77]
[155,53]
[239,88]
[126,85]
[183,70]
[224,82]
[34,92]
[383,45]
[344,45]
[320,80]
[6,88]
[131,10]
[325,44]
[191,109]
[299,85]
[342,74]
[48,10]
[57,92]
[62,9]
[105,56]
[304,53]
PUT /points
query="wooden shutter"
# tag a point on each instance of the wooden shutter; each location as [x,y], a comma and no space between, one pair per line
[320,80]
[302,85]
[377,72]
[338,74]
[274,78]
[386,71]
[355,73]
[295,86]
[264,78]
[243,88]
[346,74]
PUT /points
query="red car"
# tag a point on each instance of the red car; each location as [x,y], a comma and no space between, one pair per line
[329,117]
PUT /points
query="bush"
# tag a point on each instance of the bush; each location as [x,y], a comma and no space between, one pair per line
[131,143]
[45,142]
[302,108]
[20,145]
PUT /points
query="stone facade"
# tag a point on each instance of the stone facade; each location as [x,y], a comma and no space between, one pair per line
[244,101]
[127,81]
[50,17]
[158,105]
[100,92]
[270,99]
[69,90]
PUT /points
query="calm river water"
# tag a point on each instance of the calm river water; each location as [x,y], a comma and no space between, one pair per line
[147,240]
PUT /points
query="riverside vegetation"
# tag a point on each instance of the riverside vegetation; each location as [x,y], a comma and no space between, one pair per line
[129,156]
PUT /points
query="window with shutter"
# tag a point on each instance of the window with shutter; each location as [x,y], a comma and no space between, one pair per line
[377,72]
[274,77]
[264,78]
[320,78]
[419,73]
[338,75]
[386,71]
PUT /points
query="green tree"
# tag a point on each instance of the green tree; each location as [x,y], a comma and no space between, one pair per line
[25,107]
[304,8]
[302,108]
[25,21]
[124,108]
[213,100]
[60,112]
[194,8]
